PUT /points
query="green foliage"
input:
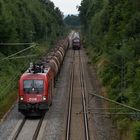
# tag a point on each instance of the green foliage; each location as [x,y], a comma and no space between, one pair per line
[24,21]
[28,21]
[136,130]
[123,125]
[112,28]
[72,20]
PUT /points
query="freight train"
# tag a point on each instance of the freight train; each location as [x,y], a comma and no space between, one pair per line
[36,85]
[76,43]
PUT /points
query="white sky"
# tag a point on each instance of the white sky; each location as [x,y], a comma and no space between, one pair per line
[67,6]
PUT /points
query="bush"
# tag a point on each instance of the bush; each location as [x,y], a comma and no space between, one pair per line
[136,131]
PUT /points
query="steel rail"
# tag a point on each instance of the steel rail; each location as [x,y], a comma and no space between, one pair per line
[83,92]
[35,136]
[19,129]
[70,100]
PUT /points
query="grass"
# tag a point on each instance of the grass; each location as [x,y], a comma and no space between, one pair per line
[8,102]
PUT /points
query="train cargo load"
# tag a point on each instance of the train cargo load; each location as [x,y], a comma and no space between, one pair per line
[36,85]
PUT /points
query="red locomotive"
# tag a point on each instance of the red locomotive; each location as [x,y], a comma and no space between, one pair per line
[37,83]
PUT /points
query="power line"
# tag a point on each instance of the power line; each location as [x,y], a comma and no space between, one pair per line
[14,44]
[3,93]
[34,45]
[112,101]
[20,57]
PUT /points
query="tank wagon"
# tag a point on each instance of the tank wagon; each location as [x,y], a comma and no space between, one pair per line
[36,85]
[76,43]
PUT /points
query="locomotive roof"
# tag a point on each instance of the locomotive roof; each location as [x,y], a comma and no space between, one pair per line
[33,75]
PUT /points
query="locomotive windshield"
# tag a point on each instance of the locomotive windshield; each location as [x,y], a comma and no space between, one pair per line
[33,86]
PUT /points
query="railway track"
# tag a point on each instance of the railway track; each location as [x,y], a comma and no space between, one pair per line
[27,128]
[68,127]
[83,93]
[77,119]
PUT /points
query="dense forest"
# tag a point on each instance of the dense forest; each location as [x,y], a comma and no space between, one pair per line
[112,37]
[24,21]
[72,21]
[27,21]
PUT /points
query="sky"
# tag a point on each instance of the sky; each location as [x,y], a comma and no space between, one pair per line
[67,6]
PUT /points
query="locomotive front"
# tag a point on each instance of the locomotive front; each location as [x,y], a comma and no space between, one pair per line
[33,94]
[76,44]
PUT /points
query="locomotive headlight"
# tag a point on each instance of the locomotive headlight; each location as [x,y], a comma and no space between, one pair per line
[21,98]
[44,98]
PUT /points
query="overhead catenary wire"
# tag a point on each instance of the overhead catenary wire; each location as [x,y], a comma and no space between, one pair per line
[21,57]
[112,101]
[12,55]
[14,44]
[14,77]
